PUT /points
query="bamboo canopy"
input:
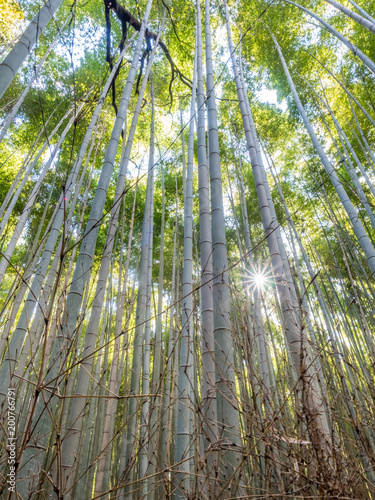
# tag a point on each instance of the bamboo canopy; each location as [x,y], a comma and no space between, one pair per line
[187,250]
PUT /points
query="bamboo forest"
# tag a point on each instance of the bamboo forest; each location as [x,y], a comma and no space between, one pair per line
[187,249]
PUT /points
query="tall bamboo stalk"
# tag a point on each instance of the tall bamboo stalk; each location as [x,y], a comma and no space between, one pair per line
[13,61]
[227,408]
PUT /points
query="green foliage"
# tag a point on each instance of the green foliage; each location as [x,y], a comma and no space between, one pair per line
[75,73]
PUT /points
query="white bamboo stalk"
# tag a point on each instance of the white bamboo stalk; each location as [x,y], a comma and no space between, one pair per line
[157,371]
[4,263]
[184,447]
[103,467]
[71,441]
[369,150]
[348,93]
[29,270]
[30,169]
[81,273]
[9,119]
[167,411]
[13,61]
[358,228]
[25,162]
[358,53]
[349,149]
[312,399]
[207,320]
[83,266]
[146,486]
[130,439]
[227,406]
[53,231]
[362,11]
[183,150]
[124,286]
[370,25]
[346,160]
[276,225]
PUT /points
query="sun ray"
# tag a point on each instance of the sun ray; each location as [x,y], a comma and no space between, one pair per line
[258,277]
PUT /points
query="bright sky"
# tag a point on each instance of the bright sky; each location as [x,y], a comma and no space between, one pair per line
[86,39]
[270,96]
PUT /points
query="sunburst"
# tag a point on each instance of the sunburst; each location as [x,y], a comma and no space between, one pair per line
[259,277]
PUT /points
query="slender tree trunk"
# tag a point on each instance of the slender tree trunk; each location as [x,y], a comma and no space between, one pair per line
[210,431]
[157,369]
[18,337]
[348,93]
[356,17]
[184,446]
[362,11]
[31,168]
[9,119]
[146,486]
[71,441]
[358,53]
[227,406]
[13,61]
[84,262]
[311,397]
[31,201]
[357,226]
